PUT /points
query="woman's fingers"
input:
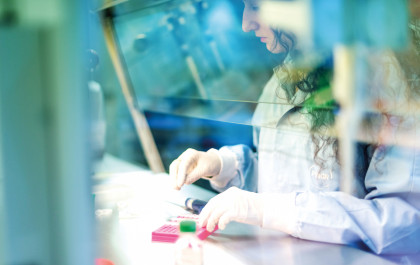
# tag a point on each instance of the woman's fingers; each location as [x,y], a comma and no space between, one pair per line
[213,219]
[224,220]
[173,172]
[214,212]
[205,213]
[193,165]
[186,165]
[180,167]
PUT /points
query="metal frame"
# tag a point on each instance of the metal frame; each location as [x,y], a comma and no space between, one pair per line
[142,127]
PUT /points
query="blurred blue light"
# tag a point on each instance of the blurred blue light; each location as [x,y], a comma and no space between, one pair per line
[221,17]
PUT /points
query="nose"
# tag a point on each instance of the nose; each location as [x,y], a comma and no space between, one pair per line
[249,21]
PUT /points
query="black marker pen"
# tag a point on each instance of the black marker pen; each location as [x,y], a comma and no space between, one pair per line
[195,205]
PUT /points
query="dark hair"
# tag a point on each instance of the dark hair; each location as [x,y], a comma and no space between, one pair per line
[409,59]
[311,81]
[322,113]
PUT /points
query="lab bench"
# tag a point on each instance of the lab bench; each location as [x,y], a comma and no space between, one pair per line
[131,202]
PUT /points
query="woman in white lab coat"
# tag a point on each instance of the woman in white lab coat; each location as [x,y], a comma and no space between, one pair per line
[292,182]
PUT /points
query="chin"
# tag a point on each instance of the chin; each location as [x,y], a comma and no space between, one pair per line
[276,51]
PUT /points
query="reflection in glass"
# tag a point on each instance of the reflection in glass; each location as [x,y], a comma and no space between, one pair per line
[339,113]
[192,58]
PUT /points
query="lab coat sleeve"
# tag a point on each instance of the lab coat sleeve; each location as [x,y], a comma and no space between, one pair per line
[387,220]
[239,169]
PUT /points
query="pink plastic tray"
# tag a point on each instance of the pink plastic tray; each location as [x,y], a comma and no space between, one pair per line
[169,232]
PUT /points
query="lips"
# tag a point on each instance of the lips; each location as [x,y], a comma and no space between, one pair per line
[263,39]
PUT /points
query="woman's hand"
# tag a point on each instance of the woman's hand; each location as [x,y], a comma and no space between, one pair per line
[193,165]
[232,205]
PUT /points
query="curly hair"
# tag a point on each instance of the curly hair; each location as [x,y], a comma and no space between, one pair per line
[315,81]
[409,58]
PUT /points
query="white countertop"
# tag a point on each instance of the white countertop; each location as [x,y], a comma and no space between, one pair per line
[131,202]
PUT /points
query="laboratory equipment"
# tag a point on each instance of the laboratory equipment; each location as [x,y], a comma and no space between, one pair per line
[97,108]
[188,249]
[152,45]
[170,231]
[195,205]
[103,262]
[46,207]
[225,82]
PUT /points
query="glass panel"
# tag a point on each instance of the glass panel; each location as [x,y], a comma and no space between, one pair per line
[192,58]
[251,62]
[331,89]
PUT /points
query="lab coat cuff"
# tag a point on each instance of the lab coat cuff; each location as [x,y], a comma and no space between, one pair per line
[228,167]
[280,213]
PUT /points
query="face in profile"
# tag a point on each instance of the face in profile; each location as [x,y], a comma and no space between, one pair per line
[251,21]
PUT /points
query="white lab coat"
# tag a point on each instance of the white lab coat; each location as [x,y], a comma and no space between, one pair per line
[304,200]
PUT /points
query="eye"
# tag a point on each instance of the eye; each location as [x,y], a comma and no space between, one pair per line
[251,6]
